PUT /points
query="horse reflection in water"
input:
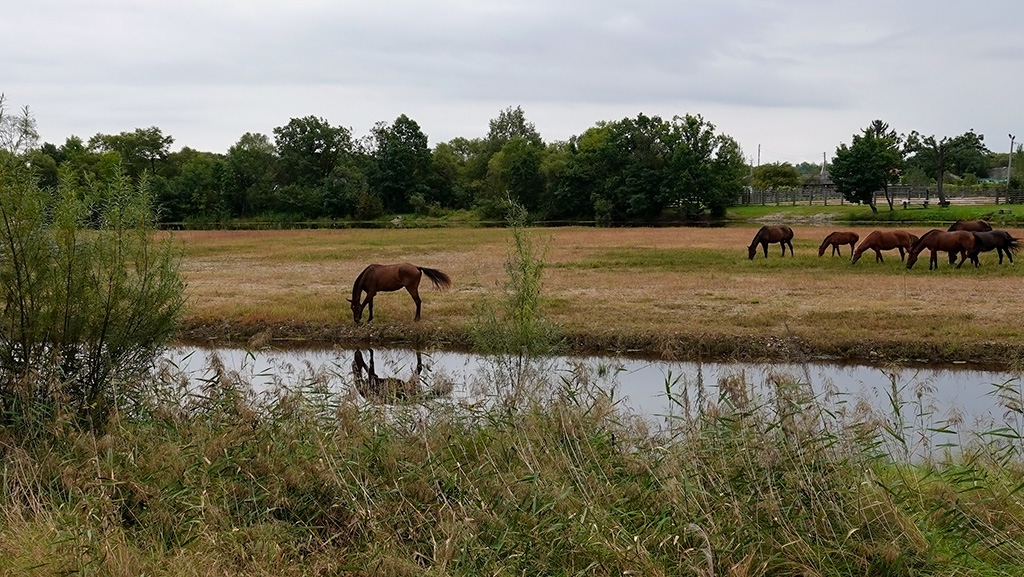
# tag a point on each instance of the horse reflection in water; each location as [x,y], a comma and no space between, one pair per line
[392,390]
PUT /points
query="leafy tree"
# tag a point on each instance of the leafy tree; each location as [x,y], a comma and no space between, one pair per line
[869,164]
[937,156]
[194,189]
[511,124]
[309,148]
[86,309]
[249,174]
[514,174]
[705,170]
[400,165]
[140,150]
[776,175]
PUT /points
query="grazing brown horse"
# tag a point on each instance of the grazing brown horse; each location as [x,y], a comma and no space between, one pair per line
[970,226]
[998,240]
[960,242]
[880,240]
[837,239]
[391,277]
[770,235]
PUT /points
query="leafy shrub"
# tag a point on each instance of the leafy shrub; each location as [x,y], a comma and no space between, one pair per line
[91,293]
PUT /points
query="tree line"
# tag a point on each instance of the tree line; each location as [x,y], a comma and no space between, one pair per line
[633,170]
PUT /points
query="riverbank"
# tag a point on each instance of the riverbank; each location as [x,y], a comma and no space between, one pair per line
[678,293]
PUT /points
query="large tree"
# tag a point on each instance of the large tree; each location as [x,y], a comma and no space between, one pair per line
[705,170]
[776,175]
[309,148]
[936,156]
[249,174]
[140,149]
[871,162]
[400,163]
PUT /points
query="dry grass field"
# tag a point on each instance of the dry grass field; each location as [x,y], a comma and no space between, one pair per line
[671,292]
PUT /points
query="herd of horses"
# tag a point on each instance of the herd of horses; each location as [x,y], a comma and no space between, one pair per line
[965,239]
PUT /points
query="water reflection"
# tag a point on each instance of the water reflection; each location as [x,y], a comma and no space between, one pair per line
[965,398]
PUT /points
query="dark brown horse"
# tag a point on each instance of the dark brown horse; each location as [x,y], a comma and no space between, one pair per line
[771,235]
[970,226]
[960,242]
[880,240]
[998,240]
[391,277]
[837,239]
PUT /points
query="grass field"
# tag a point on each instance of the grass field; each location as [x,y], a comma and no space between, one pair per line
[672,292]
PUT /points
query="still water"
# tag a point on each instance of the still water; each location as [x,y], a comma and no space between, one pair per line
[961,394]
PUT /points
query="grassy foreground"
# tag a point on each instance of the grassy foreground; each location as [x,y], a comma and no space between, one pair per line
[310,480]
[671,292]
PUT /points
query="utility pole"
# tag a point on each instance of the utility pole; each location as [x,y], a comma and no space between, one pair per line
[1009,167]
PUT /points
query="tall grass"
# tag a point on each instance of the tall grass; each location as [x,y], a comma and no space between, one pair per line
[308,478]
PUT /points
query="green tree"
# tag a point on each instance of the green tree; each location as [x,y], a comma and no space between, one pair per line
[400,163]
[309,148]
[249,174]
[514,173]
[937,156]
[140,150]
[86,309]
[776,175]
[871,162]
[705,170]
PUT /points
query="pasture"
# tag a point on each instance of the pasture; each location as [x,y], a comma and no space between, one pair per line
[671,292]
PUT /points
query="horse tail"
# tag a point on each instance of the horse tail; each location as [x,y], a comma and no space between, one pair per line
[1013,245]
[441,281]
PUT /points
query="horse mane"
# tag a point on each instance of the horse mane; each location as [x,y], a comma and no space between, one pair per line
[357,286]
[921,240]
[952,227]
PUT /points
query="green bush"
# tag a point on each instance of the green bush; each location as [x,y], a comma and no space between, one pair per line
[91,294]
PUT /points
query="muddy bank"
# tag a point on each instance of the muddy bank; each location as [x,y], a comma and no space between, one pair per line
[708,347]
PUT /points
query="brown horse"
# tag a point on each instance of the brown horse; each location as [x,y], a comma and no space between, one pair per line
[391,277]
[837,239]
[970,226]
[998,240]
[880,240]
[960,242]
[770,235]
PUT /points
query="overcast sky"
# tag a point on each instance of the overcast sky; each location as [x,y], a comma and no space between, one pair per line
[793,77]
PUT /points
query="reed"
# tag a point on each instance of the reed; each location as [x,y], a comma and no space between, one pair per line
[743,478]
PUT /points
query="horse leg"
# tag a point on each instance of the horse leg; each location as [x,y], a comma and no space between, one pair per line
[369,304]
[903,255]
[933,261]
[878,256]
[764,245]
[415,294]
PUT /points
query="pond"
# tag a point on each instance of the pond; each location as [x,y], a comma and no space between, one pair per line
[962,397]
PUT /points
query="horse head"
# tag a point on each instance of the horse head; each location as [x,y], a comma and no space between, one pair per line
[752,250]
[357,310]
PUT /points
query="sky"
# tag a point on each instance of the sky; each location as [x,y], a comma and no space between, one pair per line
[790,80]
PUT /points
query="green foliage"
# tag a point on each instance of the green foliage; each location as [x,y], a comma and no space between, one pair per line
[86,309]
[962,154]
[868,165]
[776,175]
[516,324]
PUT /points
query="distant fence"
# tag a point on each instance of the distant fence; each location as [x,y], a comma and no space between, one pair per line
[913,195]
